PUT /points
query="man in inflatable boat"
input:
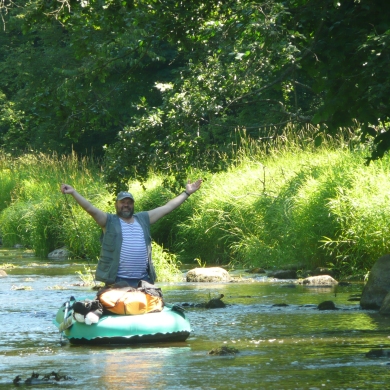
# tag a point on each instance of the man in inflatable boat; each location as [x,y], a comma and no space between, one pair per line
[125,254]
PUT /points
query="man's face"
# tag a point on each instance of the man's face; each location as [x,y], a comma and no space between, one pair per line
[125,208]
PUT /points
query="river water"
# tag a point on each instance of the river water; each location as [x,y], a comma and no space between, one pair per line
[283,340]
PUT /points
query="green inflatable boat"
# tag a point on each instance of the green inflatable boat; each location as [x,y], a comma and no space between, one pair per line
[171,324]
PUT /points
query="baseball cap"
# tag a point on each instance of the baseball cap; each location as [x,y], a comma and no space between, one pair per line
[123,195]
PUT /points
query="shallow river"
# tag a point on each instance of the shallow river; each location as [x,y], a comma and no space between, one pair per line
[280,347]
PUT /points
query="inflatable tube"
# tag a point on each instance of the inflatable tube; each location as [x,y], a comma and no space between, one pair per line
[170,324]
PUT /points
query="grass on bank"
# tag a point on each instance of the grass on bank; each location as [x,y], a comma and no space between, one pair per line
[291,204]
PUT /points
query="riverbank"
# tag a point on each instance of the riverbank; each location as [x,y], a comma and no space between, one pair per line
[292,205]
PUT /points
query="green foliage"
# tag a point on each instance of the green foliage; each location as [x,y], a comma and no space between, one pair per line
[74,82]
[165,85]
[7,181]
[166,265]
[32,224]
[36,208]
[88,277]
[281,62]
[361,211]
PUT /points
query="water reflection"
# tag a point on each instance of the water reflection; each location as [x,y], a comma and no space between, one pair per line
[137,366]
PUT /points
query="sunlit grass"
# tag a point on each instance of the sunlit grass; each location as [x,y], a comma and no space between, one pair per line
[87,276]
[166,265]
[278,208]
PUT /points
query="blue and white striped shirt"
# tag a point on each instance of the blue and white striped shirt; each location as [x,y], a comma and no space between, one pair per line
[133,260]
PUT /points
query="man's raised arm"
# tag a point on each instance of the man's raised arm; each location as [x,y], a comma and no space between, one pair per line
[159,212]
[98,215]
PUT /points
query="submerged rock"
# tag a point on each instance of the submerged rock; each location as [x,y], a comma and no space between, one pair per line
[355,298]
[225,350]
[378,353]
[17,379]
[284,274]
[215,303]
[257,270]
[327,305]
[52,378]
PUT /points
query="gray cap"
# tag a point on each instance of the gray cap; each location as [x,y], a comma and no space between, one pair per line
[123,195]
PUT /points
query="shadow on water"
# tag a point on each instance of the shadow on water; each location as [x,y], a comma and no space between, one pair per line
[284,341]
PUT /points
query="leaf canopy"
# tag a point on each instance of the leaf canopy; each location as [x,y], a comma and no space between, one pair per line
[165,84]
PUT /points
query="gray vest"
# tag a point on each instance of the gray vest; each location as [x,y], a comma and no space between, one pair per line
[111,240]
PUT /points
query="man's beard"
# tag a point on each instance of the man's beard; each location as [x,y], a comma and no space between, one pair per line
[125,214]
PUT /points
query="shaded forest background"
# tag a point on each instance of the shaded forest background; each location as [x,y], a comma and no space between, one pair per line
[167,86]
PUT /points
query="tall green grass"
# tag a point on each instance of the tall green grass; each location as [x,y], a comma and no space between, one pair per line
[36,209]
[282,201]
[293,203]
[8,179]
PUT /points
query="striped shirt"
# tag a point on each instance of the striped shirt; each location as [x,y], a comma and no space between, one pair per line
[133,260]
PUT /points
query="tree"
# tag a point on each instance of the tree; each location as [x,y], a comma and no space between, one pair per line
[75,82]
[349,66]
[174,80]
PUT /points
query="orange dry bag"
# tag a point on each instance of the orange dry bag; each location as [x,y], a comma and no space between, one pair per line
[127,301]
